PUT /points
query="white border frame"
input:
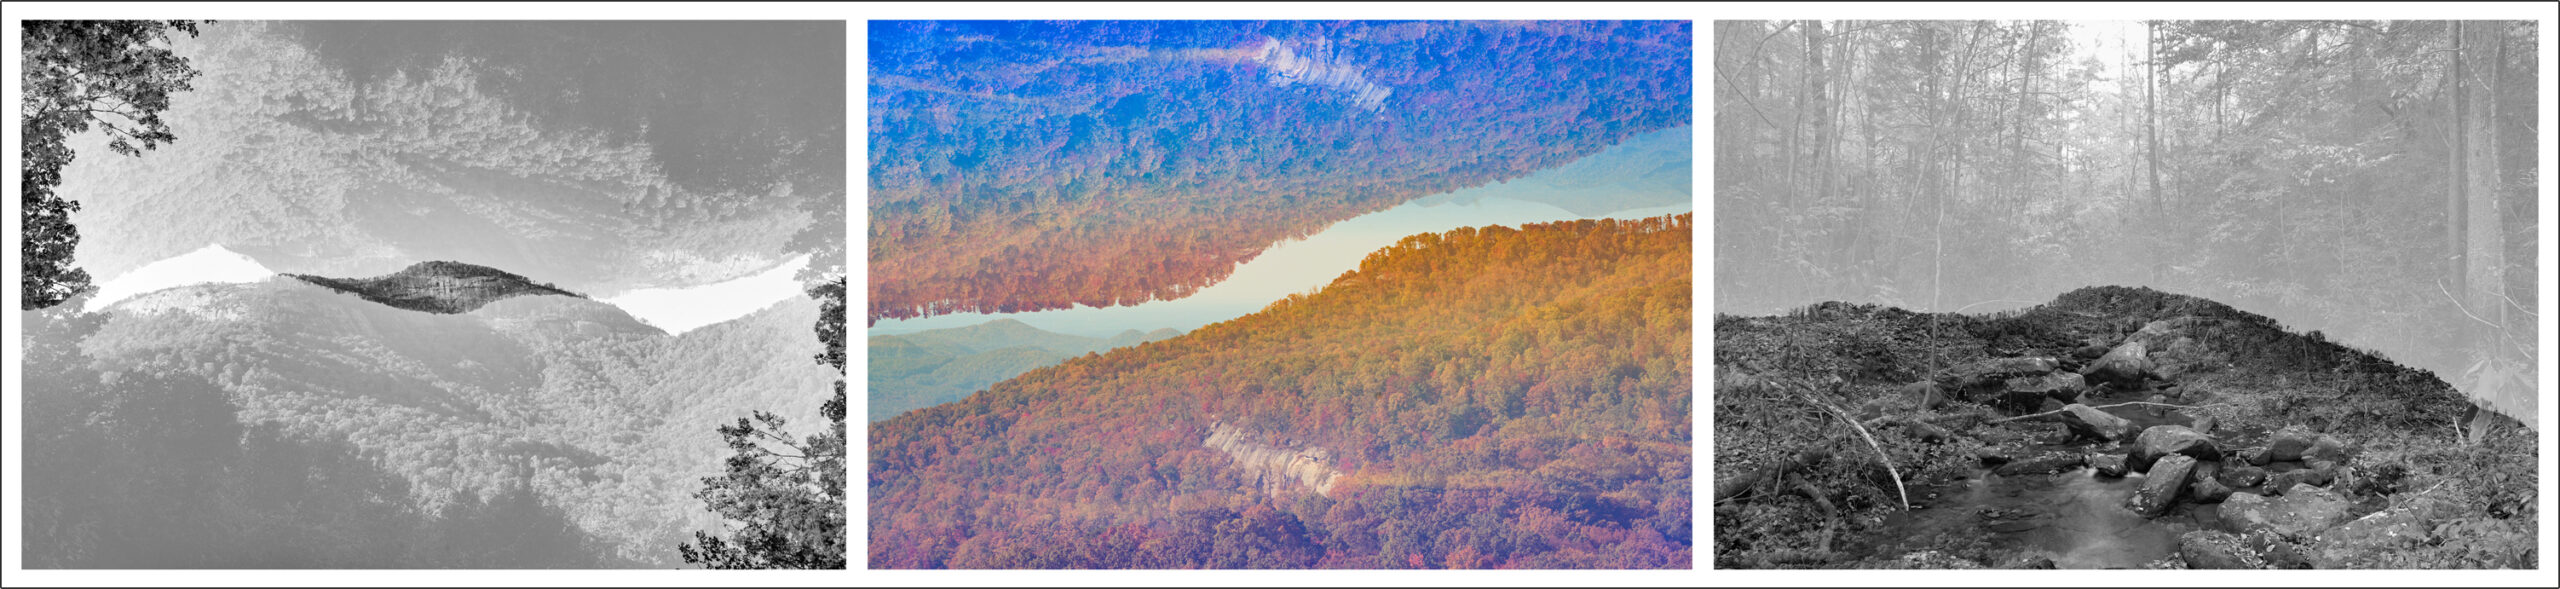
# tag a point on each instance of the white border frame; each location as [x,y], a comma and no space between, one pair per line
[1702,16]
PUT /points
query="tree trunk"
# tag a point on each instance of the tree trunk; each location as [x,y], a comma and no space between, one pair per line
[2151,129]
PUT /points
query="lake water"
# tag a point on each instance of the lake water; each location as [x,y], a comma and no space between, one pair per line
[1306,265]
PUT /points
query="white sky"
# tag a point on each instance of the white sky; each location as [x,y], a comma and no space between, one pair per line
[212,264]
[679,310]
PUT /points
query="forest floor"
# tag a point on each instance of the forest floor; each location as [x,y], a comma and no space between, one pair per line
[2200,437]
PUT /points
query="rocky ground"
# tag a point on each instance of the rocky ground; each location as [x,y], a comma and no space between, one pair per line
[1852,436]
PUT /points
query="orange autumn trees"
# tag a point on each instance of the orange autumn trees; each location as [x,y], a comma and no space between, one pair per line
[1490,397]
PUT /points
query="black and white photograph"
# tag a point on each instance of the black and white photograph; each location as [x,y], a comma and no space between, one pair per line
[2156,294]
[432,294]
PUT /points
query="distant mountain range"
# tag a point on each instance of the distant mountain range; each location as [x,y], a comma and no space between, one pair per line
[927,368]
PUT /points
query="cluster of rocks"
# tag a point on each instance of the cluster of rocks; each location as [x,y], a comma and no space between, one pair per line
[2277,507]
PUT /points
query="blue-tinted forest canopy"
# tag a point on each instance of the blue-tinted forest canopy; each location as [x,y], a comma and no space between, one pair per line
[1020,166]
[2374,181]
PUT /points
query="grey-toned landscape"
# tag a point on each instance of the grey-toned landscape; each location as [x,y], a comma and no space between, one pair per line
[434,294]
[2155,294]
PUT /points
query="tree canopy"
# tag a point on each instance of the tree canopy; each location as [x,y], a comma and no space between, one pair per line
[786,495]
[113,75]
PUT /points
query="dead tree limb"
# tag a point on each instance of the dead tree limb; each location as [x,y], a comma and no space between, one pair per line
[2062,411]
[1871,443]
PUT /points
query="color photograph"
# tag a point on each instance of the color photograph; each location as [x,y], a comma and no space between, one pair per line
[1279,294]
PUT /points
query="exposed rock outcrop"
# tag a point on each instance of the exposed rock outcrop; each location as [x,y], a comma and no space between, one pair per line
[1275,468]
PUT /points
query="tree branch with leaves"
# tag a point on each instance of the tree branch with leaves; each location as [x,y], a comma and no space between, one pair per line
[784,498]
[115,75]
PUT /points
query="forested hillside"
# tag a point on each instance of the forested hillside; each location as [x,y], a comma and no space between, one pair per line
[600,156]
[1490,397]
[1022,166]
[2373,180]
[928,368]
[281,424]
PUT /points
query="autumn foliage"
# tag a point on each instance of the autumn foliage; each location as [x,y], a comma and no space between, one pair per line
[1022,166]
[1494,397]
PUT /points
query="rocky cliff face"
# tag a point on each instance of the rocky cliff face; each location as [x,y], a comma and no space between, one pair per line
[1275,467]
[438,287]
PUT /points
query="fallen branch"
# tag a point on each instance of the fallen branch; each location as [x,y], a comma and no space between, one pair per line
[2062,411]
[1871,443]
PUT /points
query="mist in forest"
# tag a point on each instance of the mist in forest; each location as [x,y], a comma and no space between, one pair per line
[2373,181]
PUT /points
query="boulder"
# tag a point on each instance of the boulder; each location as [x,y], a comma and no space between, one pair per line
[2301,513]
[2108,465]
[2161,489]
[2092,424]
[2399,528]
[2242,476]
[2202,422]
[2317,477]
[2124,368]
[2277,551]
[2059,386]
[2325,449]
[2047,463]
[2204,490]
[2205,485]
[2163,440]
[2255,457]
[2288,444]
[2204,549]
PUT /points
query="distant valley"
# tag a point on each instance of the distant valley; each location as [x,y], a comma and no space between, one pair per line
[927,368]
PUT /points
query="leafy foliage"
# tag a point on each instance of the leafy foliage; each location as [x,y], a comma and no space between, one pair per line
[789,502]
[116,75]
[1490,398]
